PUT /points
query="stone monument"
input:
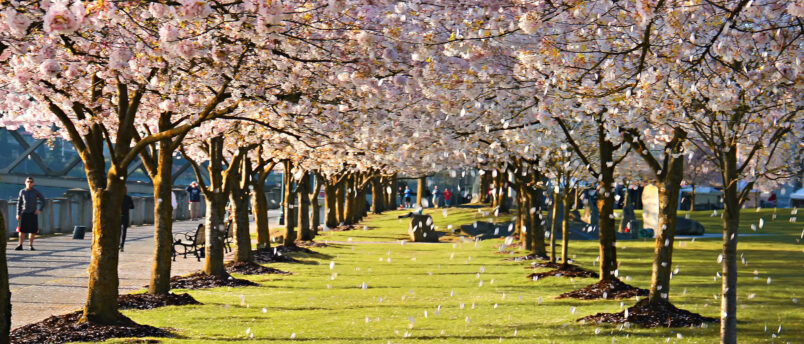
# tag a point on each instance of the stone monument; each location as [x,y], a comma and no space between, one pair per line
[650,207]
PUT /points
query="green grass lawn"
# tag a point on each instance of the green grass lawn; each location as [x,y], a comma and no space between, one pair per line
[368,287]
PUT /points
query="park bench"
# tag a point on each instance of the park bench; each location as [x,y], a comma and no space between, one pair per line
[190,242]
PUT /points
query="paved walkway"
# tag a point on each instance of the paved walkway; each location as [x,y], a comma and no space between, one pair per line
[53,279]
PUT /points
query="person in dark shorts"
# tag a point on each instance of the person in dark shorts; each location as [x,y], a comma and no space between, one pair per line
[128,204]
[194,197]
[27,212]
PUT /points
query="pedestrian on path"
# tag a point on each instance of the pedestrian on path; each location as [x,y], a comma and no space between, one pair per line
[128,204]
[194,197]
[447,196]
[407,197]
[436,196]
[27,213]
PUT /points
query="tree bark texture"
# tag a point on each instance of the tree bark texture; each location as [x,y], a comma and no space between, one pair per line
[303,197]
[163,223]
[377,199]
[290,208]
[731,221]
[421,185]
[340,197]
[331,199]
[669,189]
[554,223]
[259,203]
[239,198]
[565,228]
[349,195]
[259,207]
[101,305]
[605,204]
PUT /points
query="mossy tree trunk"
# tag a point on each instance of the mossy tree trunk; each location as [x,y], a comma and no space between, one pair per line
[331,200]
[377,197]
[303,197]
[565,228]
[216,193]
[340,198]
[732,202]
[259,202]
[421,185]
[290,207]
[157,161]
[605,201]
[349,204]
[163,221]
[107,201]
[669,174]
[239,198]
[554,223]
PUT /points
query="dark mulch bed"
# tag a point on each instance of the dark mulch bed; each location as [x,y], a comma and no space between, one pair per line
[568,270]
[613,289]
[663,315]
[526,258]
[288,249]
[151,301]
[311,244]
[250,268]
[65,328]
[199,280]
[269,255]
[344,228]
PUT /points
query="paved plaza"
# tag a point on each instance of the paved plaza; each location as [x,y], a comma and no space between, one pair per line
[53,279]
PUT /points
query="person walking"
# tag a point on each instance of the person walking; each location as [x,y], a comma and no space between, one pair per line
[27,213]
[407,197]
[436,196]
[128,204]
[194,197]
[447,196]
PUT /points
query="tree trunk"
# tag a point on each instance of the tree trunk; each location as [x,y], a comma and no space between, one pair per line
[259,207]
[522,220]
[163,222]
[731,221]
[101,304]
[340,203]
[554,224]
[421,185]
[669,189]
[213,234]
[692,198]
[376,196]
[238,197]
[330,199]
[483,193]
[565,228]
[536,227]
[5,290]
[303,196]
[349,205]
[605,204]
[290,208]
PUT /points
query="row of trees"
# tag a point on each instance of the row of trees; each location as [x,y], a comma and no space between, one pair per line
[346,94]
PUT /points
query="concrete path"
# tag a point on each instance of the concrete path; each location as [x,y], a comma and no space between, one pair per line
[53,279]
